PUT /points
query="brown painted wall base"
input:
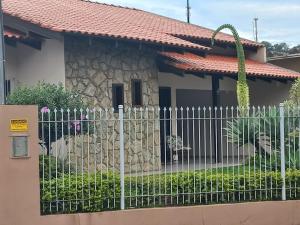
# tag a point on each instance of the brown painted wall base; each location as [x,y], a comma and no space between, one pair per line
[19,178]
[19,195]
[260,213]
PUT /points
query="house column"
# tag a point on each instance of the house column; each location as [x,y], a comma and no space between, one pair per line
[216,125]
[173,105]
[215,87]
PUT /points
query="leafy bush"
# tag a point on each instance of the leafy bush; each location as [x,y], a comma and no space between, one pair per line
[81,193]
[98,192]
[51,99]
[252,128]
[44,94]
[264,126]
[51,166]
[262,129]
[294,95]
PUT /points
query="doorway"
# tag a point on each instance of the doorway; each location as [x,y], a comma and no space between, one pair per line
[165,127]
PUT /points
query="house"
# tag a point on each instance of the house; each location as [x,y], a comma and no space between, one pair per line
[291,62]
[113,55]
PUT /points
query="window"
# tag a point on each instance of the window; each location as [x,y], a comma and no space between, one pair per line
[117,95]
[136,92]
[7,87]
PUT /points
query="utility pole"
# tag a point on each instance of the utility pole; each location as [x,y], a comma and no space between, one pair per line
[255,29]
[2,60]
[188,11]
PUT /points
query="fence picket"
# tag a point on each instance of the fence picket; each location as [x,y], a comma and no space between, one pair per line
[282,152]
[122,154]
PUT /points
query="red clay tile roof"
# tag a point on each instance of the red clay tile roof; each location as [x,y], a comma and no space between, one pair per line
[189,62]
[89,18]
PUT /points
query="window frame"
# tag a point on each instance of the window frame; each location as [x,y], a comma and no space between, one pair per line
[115,104]
[133,93]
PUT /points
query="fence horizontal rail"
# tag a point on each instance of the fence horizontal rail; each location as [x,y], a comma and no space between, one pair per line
[106,159]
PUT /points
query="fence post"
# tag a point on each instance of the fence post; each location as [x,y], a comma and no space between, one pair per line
[282,151]
[122,153]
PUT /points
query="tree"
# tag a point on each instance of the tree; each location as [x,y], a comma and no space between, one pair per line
[294,50]
[269,48]
[242,86]
[280,49]
[294,95]
[55,104]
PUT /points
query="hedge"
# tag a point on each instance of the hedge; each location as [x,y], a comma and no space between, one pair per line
[99,192]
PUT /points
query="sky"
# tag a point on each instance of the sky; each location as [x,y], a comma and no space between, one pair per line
[278,20]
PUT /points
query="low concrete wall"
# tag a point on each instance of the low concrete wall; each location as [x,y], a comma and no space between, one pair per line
[20,194]
[261,213]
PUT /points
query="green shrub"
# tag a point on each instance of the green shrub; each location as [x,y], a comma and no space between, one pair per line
[80,193]
[262,129]
[46,95]
[50,99]
[50,167]
[98,192]
[294,94]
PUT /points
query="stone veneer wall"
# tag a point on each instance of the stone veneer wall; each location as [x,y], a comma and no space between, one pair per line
[91,69]
[93,66]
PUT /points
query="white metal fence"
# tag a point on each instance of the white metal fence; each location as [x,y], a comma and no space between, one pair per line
[103,159]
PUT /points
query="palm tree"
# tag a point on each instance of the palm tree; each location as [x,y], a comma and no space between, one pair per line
[242,86]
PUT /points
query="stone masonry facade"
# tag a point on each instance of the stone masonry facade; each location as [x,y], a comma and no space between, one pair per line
[92,67]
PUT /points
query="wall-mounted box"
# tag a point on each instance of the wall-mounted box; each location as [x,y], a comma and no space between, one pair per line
[20,146]
[19,138]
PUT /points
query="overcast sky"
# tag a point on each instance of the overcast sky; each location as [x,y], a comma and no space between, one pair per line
[278,19]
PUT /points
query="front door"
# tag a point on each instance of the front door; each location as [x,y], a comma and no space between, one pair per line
[165,127]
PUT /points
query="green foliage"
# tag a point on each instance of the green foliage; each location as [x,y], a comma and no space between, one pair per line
[45,95]
[101,191]
[51,100]
[243,96]
[81,193]
[294,94]
[280,49]
[264,124]
[48,165]
[242,86]
[260,123]
[261,129]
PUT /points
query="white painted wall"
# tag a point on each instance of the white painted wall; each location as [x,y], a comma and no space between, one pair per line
[261,92]
[260,55]
[10,64]
[268,93]
[27,66]
[186,82]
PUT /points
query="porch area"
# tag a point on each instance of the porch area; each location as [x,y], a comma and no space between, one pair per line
[198,109]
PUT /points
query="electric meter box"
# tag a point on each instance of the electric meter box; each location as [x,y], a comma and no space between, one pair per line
[19,138]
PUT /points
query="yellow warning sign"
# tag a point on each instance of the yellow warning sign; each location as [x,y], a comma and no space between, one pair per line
[19,125]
